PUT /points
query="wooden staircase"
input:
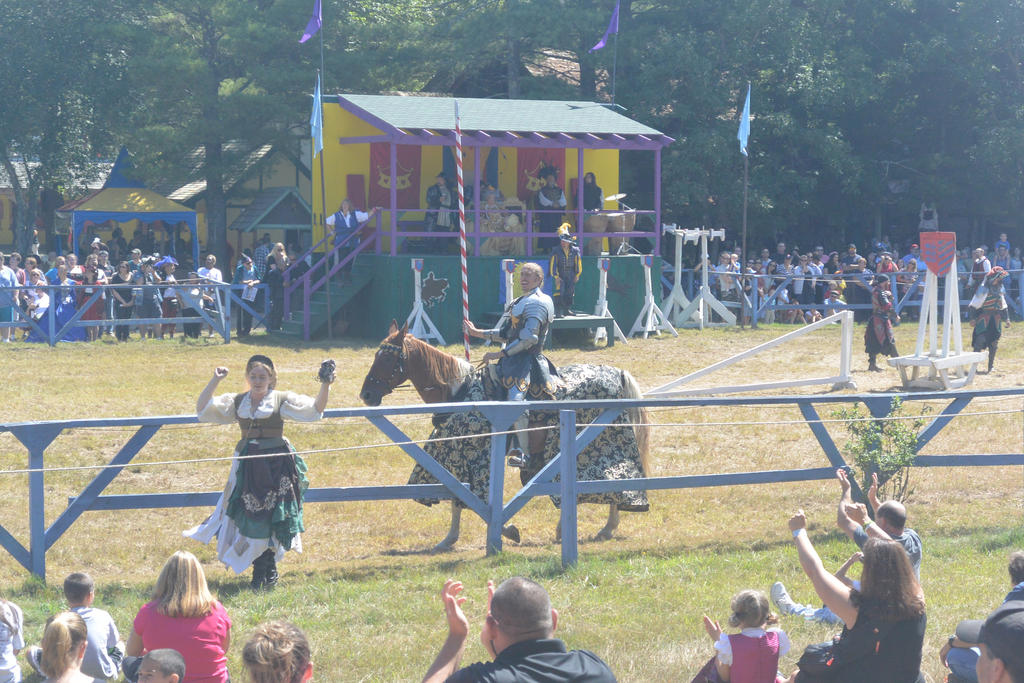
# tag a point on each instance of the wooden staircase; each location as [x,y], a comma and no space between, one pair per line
[342,292]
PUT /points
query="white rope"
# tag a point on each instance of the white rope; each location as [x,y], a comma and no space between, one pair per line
[890,418]
[340,449]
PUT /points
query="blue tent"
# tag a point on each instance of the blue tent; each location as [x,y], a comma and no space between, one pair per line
[123,199]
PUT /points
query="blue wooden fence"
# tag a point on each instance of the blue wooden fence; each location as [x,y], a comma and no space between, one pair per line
[36,437]
[908,294]
[50,330]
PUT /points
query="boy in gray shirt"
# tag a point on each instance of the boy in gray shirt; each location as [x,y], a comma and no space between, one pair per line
[105,650]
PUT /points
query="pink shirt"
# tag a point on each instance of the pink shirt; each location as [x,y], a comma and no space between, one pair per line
[200,640]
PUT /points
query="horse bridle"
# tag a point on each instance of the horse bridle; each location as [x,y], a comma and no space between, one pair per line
[398,369]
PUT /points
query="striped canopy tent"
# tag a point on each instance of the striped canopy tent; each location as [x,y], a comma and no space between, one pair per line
[122,199]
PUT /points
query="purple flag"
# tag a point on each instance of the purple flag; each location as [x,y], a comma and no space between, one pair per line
[613,27]
[314,23]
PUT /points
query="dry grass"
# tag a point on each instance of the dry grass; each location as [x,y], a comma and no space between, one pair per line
[365,581]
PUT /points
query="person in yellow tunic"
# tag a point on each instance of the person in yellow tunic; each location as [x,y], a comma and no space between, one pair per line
[259,514]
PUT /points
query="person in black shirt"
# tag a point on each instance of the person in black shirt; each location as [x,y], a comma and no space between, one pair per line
[517,632]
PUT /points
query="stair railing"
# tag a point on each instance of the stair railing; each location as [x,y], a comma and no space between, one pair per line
[309,282]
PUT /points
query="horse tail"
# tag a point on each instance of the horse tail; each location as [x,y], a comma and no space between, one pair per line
[638,416]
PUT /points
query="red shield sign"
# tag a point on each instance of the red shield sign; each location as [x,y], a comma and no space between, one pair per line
[938,249]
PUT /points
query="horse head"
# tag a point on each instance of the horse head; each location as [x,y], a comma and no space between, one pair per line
[389,366]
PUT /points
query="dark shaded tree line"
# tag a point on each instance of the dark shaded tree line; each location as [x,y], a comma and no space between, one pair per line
[861,109]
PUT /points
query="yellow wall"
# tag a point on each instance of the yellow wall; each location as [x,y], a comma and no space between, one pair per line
[6,208]
[343,160]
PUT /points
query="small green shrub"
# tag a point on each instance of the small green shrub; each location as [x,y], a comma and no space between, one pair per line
[885,447]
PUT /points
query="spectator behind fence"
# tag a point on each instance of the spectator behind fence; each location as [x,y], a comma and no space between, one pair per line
[12,640]
[184,616]
[1002,645]
[517,633]
[8,281]
[64,643]
[884,622]
[277,652]
[752,655]
[104,649]
[960,652]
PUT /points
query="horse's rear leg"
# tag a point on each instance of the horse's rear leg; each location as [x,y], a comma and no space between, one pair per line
[611,525]
[511,532]
[453,531]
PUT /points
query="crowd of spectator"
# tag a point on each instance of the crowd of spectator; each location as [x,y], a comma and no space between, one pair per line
[182,635]
[805,286]
[118,297]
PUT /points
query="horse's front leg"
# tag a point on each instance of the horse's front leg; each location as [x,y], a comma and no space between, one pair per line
[611,525]
[453,531]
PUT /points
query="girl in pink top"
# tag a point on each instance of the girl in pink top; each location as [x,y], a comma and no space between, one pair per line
[752,655]
[184,616]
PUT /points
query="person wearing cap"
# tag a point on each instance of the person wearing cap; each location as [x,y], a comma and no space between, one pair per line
[1001,638]
[259,514]
[566,266]
[850,259]
[988,313]
[960,652]
[878,335]
[979,269]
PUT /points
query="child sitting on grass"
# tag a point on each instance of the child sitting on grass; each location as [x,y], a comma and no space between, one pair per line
[12,640]
[104,650]
[752,655]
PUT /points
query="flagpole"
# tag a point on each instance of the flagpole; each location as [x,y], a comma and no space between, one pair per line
[615,57]
[743,244]
[323,212]
[462,228]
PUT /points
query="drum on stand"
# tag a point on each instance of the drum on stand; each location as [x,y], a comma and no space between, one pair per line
[595,224]
[619,221]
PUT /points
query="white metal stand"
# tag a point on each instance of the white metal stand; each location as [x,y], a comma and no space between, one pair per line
[947,368]
[699,309]
[420,324]
[651,318]
[508,270]
[676,302]
[601,309]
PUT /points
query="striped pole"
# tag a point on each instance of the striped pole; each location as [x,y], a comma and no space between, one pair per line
[462,228]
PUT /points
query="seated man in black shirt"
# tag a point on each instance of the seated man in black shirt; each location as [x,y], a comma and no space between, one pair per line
[517,632]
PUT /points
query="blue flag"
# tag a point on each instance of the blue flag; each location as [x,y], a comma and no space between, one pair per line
[613,27]
[316,120]
[314,23]
[744,131]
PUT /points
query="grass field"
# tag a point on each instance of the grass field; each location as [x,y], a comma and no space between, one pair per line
[366,590]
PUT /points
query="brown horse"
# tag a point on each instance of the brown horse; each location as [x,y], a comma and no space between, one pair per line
[617,453]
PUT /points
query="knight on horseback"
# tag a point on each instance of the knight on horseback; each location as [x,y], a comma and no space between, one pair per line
[521,366]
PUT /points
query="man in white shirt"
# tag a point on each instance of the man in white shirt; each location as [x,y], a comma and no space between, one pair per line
[209,272]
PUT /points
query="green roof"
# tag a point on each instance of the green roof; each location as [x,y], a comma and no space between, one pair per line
[542,116]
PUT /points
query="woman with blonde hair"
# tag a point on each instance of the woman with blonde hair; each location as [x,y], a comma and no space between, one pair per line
[184,616]
[64,643]
[277,652]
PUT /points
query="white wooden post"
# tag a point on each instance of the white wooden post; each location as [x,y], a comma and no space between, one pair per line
[676,302]
[420,324]
[651,318]
[601,309]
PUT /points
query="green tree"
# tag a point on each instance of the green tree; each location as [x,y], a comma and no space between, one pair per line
[63,95]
